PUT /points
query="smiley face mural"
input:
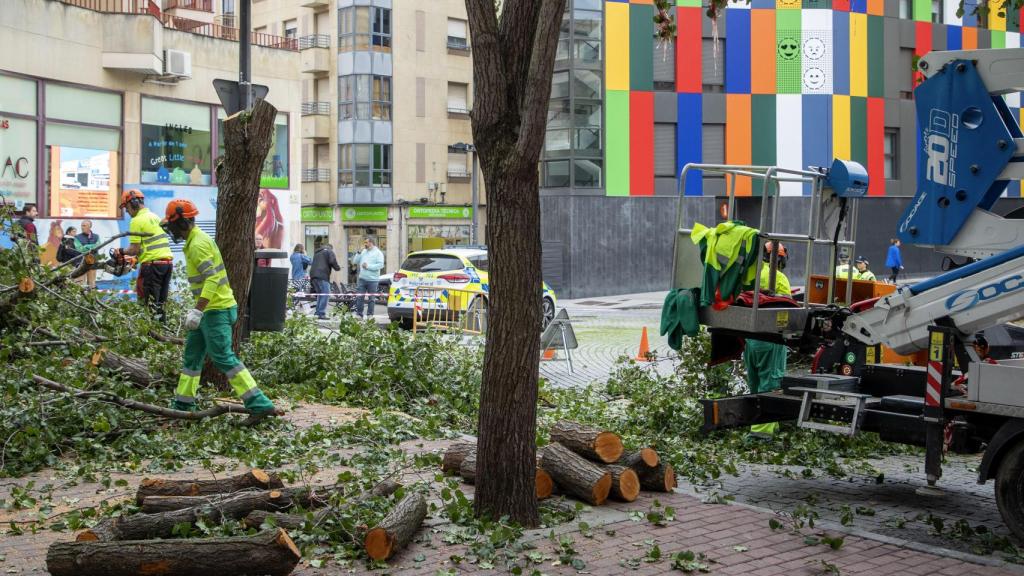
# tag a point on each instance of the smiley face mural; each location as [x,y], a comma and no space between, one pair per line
[789,48]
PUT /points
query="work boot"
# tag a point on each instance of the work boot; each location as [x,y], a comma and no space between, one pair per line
[260,407]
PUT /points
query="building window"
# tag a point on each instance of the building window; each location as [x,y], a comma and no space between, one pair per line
[891,163]
[364,165]
[665,66]
[18,142]
[556,174]
[712,64]
[586,36]
[560,85]
[457,34]
[587,84]
[458,163]
[587,173]
[276,165]
[364,28]
[291,29]
[937,11]
[665,150]
[364,97]
[176,143]
[906,9]
[457,98]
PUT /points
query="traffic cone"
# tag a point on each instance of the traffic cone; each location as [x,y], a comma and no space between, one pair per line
[549,354]
[645,348]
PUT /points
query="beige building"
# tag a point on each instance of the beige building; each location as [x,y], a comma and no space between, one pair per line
[386,91]
[100,95]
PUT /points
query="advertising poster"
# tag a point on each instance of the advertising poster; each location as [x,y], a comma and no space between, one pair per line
[83,183]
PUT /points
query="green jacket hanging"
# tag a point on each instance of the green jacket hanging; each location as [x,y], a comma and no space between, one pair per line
[729,256]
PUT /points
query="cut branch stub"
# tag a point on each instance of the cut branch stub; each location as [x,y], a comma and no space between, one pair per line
[576,475]
[593,443]
[397,528]
[255,478]
[26,285]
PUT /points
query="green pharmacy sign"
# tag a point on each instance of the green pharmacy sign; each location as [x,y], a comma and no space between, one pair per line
[452,212]
[318,214]
[364,213]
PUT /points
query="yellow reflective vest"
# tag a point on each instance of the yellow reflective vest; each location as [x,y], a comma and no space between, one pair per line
[205,269]
[781,281]
[156,245]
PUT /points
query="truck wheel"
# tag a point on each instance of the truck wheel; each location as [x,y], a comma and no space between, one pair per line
[1010,489]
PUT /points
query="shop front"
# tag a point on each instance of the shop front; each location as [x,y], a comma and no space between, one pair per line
[316,226]
[358,223]
[434,227]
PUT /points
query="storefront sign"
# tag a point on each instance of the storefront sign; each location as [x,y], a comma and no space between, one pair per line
[83,183]
[18,161]
[318,214]
[364,214]
[452,212]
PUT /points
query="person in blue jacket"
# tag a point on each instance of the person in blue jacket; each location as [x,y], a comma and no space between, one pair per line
[369,262]
[300,262]
[893,260]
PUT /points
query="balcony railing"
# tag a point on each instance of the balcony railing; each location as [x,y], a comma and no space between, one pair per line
[197,5]
[316,108]
[117,6]
[227,33]
[316,175]
[315,41]
[457,109]
[458,172]
[457,43]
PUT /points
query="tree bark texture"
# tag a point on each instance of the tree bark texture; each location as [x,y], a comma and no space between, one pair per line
[587,441]
[576,475]
[256,518]
[254,478]
[453,456]
[139,526]
[512,65]
[625,484]
[660,478]
[136,371]
[397,528]
[644,457]
[271,552]
[468,468]
[239,504]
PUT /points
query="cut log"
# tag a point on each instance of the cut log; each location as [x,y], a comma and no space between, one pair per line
[646,457]
[593,443]
[454,455]
[468,468]
[661,478]
[576,475]
[236,505]
[256,518]
[545,485]
[139,526]
[254,478]
[625,484]
[397,528]
[135,371]
[271,552]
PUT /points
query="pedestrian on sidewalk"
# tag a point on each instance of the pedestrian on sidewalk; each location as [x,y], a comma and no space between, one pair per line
[369,263]
[66,251]
[85,241]
[894,260]
[324,261]
[300,262]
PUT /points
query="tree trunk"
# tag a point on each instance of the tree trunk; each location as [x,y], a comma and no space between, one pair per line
[272,553]
[589,442]
[661,478]
[254,478]
[247,137]
[397,528]
[256,518]
[576,475]
[454,455]
[625,484]
[135,371]
[644,457]
[512,65]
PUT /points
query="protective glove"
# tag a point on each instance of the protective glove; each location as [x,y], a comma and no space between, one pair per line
[193,318]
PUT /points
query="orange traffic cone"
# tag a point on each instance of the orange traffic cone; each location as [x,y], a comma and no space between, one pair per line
[645,348]
[549,354]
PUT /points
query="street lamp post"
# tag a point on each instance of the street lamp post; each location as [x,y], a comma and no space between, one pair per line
[473,234]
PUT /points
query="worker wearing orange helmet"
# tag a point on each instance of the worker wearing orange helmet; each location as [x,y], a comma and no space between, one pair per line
[151,245]
[210,322]
[766,361]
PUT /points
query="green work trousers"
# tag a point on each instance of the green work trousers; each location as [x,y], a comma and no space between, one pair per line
[766,364]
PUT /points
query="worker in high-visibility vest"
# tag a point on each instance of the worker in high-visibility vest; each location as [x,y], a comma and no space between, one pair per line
[765,362]
[209,323]
[152,247]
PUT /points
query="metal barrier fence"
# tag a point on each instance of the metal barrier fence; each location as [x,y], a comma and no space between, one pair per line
[452,309]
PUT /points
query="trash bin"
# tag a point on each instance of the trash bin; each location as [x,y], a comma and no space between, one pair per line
[268,294]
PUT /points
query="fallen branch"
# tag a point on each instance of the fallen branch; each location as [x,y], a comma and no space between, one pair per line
[254,478]
[110,397]
[256,518]
[135,370]
[165,338]
[279,499]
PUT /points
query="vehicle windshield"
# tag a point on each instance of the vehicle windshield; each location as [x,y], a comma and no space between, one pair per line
[432,263]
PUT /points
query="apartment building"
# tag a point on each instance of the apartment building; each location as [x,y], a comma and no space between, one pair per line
[386,136]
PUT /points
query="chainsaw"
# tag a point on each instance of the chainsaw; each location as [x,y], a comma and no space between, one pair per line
[117,263]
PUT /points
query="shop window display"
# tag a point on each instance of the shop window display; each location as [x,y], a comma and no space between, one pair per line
[176,143]
[276,165]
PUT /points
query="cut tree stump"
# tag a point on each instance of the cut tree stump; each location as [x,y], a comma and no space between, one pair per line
[661,478]
[256,518]
[454,455]
[593,443]
[271,552]
[646,457]
[576,475]
[625,484]
[254,478]
[397,528]
[136,371]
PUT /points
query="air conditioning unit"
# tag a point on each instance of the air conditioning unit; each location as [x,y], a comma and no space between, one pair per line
[177,63]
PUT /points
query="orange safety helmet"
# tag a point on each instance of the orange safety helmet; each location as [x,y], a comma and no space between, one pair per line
[180,208]
[129,195]
[768,249]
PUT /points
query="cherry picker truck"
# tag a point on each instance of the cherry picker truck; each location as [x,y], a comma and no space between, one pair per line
[972,147]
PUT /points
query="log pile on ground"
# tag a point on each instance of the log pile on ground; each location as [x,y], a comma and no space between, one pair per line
[129,544]
[584,462]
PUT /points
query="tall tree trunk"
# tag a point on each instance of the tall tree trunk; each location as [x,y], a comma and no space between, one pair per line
[512,65]
[247,138]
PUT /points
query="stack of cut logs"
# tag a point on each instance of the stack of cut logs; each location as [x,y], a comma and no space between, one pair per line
[584,462]
[144,543]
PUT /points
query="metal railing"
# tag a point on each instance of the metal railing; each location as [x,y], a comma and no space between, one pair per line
[117,6]
[458,110]
[315,41]
[451,309]
[455,172]
[197,5]
[316,108]
[316,175]
[227,33]
[458,43]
